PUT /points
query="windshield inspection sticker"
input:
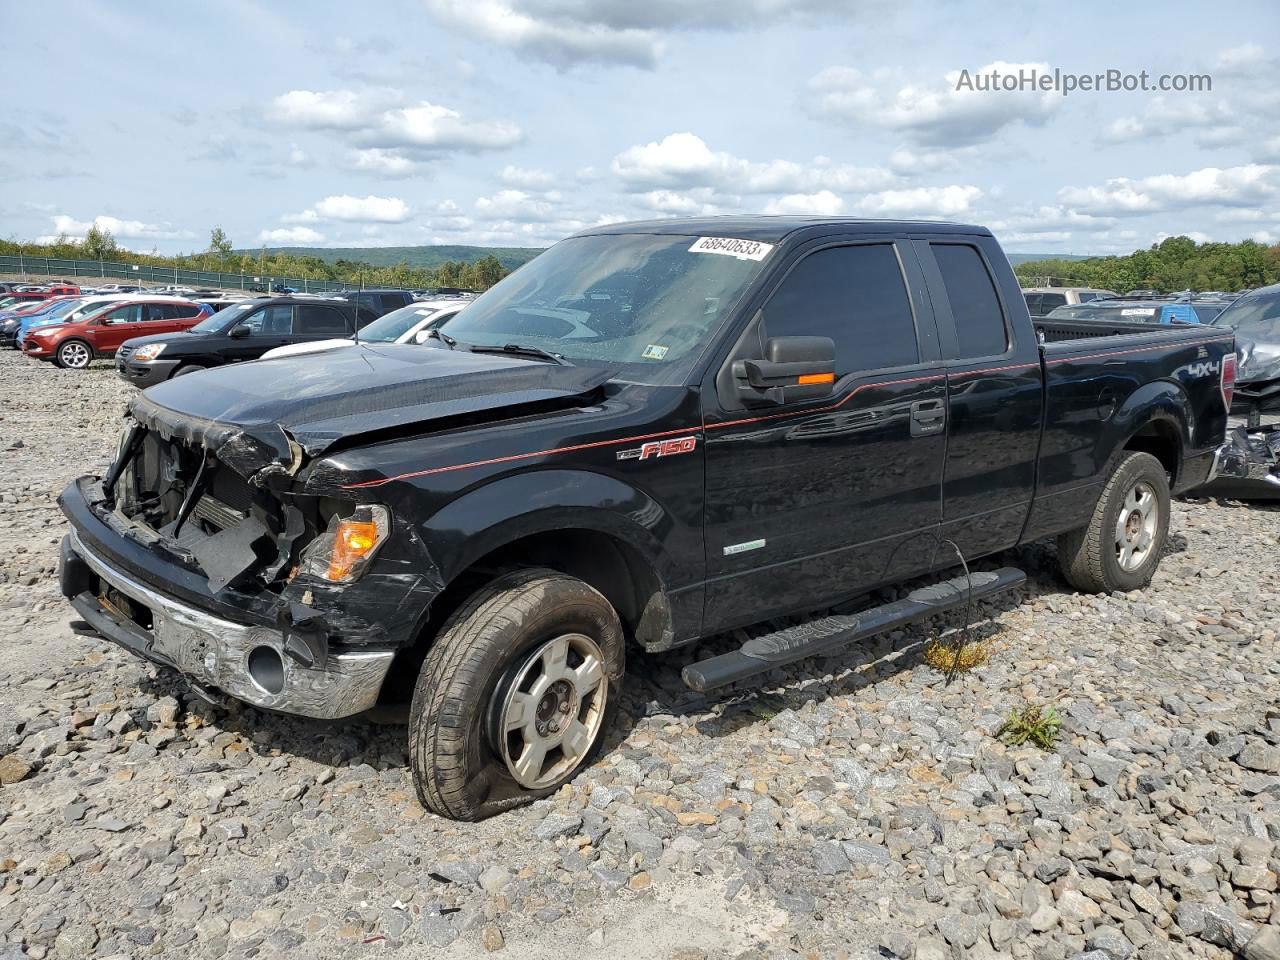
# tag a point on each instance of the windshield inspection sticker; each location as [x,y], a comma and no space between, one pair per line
[654,352]
[729,247]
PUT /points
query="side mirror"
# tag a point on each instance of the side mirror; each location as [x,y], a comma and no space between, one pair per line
[422,336]
[794,369]
[239,331]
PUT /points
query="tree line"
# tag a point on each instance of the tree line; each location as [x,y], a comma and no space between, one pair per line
[222,257]
[1173,264]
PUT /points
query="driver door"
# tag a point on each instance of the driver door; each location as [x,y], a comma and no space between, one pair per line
[811,502]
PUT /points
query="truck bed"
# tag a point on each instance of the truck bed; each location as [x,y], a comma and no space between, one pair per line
[1055,331]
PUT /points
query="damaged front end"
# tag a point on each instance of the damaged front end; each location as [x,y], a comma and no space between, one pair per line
[1248,466]
[204,549]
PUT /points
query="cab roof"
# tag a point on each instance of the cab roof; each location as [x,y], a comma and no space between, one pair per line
[771,229]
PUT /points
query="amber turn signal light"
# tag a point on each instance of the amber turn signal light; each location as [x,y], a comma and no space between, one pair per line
[355,540]
[809,379]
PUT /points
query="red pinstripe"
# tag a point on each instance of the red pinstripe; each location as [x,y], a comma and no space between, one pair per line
[749,420]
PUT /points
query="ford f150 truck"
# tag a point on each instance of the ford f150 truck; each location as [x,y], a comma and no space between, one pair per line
[652,433]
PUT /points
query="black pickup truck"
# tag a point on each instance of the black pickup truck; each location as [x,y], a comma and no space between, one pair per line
[651,433]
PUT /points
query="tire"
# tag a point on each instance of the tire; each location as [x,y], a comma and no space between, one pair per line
[1120,547]
[73,355]
[488,669]
[186,368]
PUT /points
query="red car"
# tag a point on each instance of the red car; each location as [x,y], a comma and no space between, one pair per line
[76,345]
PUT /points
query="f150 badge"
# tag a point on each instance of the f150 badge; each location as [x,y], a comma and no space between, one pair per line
[660,448]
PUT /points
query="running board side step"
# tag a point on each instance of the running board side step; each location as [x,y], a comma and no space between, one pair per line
[761,654]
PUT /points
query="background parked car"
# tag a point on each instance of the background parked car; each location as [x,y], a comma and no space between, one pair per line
[20,320]
[101,332]
[406,325]
[1040,300]
[244,331]
[1142,310]
[377,302]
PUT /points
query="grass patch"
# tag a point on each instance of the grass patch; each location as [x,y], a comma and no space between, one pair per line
[945,656]
[1031,724]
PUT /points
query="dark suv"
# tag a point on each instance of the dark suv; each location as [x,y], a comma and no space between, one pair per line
[377,302]
[244,331]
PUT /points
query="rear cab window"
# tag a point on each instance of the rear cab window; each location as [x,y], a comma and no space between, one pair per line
[981,329]
[857,296]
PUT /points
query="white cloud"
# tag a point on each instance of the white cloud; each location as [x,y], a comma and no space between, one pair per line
[565,33]
[823,203]
[695,202]
[1245,58]
[516,204]
[290,236]
[1210,120]
[354,210]
[384,163]
[524,177]
[926,202]
[391,132]
[1248,185]
[683,160]
[932,113]
[121,229]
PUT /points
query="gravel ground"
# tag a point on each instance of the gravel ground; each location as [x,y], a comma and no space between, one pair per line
[853,807]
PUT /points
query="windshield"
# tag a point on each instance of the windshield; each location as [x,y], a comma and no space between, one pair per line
[640,304]
[54,313]
[223,320]
[1255,317]
[390,327]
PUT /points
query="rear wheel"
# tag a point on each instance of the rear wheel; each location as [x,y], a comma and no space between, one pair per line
[515,694]
[1120,547]
[74,355]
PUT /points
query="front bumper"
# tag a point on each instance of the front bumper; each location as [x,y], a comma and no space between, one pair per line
[212,653]
[33,348]
[145,374]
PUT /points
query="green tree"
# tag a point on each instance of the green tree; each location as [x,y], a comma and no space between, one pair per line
[98,243]
[220,244]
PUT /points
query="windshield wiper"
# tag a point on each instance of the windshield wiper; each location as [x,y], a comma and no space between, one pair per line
[521,350]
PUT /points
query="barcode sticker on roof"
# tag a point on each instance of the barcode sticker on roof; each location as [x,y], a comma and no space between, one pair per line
[729,247]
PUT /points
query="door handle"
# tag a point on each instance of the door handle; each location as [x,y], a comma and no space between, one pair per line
[928,417]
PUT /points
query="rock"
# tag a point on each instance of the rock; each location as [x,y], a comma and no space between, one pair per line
[869,854]
[1044,918]
[557,825]
[1254,851]
[1111,942]
[493,879]
[110,824]
[1075,906]
[1259,757]
[829,858]
[851,773]
[491,938]
[13,769]
[1263,945]
[959,930]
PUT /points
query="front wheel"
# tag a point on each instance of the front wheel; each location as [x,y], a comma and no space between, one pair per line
[515,694]
[74,355]
[1120,547]
[187,368]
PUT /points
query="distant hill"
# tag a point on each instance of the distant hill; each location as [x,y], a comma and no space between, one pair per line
[1017,258]
[429,257]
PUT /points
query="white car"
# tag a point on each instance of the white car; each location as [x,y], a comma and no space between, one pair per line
[409,324]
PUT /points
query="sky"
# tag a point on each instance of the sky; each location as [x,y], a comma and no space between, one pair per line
[518,122]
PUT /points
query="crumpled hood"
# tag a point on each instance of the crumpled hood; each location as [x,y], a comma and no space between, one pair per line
[270,412]
[1259,361]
